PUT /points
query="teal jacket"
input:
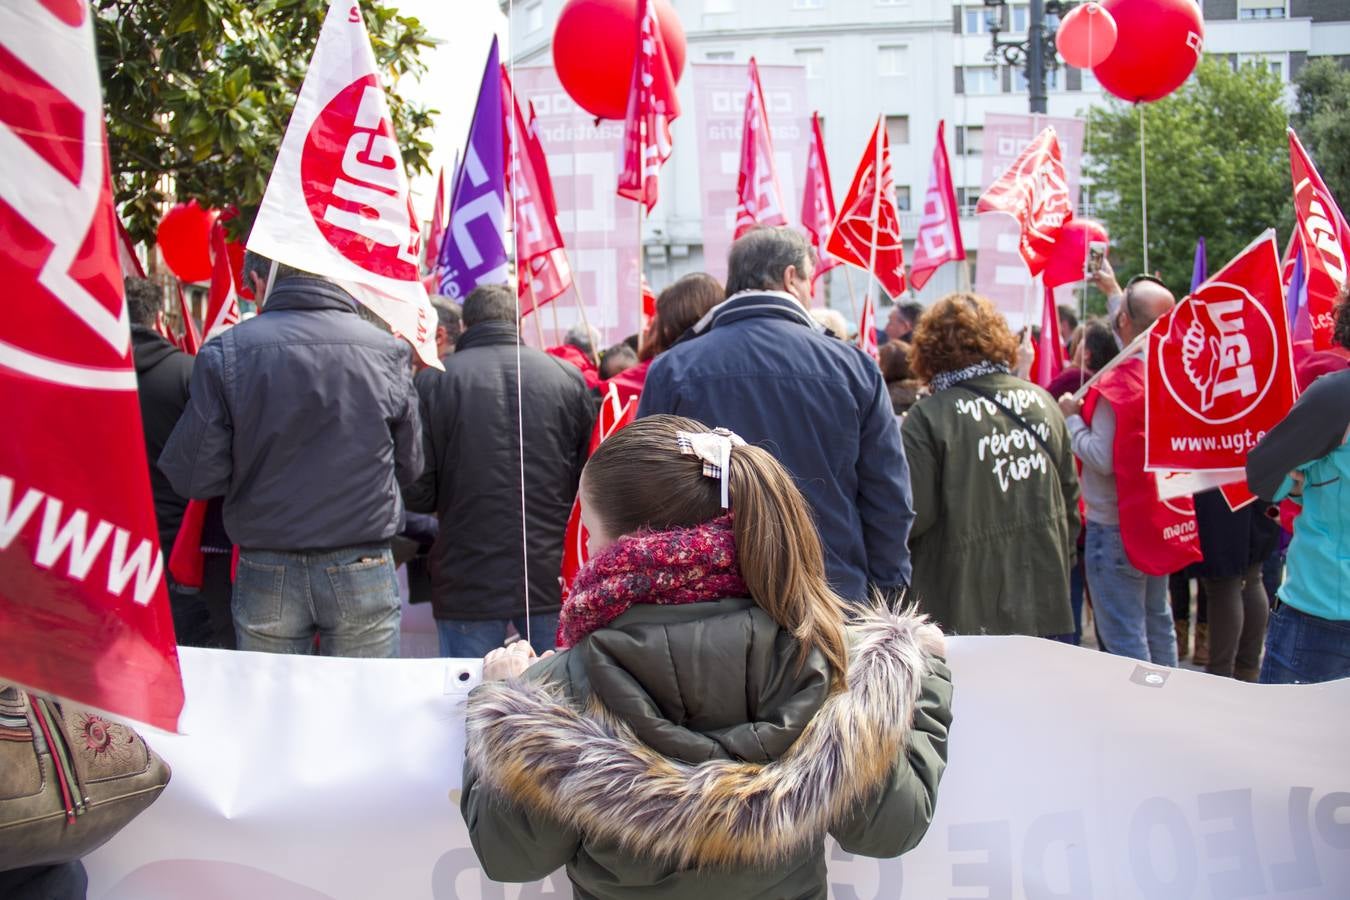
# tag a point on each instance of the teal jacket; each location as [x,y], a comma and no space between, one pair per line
[1312,441]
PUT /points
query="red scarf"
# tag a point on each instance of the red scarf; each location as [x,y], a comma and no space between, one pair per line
[679,565]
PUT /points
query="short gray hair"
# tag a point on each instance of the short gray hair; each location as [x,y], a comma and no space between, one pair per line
[257,264]
[757,261]
[582,337]
[448,315]
[490,303]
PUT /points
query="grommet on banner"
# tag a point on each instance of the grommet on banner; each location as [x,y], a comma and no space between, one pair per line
[1154,678]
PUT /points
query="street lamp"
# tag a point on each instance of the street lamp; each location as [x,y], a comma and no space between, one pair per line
[1035,54]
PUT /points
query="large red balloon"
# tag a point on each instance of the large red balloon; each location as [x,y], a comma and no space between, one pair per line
[1086,36]
[594,44]
[1158,45]
[1070,251]
[184,237]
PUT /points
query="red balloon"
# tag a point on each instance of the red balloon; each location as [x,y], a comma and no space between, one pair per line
[594,44]
[1158,45]
[1086,36]
[1070,251]
[184,237]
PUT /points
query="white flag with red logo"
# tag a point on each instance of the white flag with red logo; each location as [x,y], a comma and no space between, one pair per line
[191,341]
[1219,372]
[652,106]
[338,203]
[222,306]
[1326,242]
[867,329]
[866,231]
[613,416]
[1035,192]
[759,199]
[542,271]
[83,608]
[939,237]
[818,201]
[437,229]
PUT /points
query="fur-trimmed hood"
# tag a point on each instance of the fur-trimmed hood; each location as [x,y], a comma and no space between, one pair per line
[531,746]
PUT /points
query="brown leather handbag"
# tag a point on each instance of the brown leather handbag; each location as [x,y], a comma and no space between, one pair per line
[69,779]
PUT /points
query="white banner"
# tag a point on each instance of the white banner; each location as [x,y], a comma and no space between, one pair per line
[1072,774]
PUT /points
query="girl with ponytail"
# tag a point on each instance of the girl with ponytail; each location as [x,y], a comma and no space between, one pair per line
[711,716]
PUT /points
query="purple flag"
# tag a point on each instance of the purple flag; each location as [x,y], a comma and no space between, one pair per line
[1200,268]
[1296,304]
[473,251]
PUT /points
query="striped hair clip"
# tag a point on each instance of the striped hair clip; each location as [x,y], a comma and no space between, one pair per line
[714,448]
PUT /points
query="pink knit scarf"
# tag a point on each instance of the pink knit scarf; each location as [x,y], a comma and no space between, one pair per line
[680,565]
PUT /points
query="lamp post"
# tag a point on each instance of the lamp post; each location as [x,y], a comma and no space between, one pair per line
[1035,55]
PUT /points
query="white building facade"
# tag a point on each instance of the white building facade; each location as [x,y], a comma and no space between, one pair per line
[915,62]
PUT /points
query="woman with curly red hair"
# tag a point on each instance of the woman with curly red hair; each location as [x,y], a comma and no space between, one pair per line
[995,489]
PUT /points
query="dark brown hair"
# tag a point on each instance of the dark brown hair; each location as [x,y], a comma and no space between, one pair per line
[638,479]
[678,307]
[958,331]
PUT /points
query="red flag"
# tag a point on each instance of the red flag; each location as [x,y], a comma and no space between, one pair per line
[613,416]
[648,306]
[433,249]
[1219,371]
[652,106]
[222,306]
[1035,192]
[535,148]
[867,329]
[83,609]
[866,231]
[1050,349]
[818,201]
[126,253]
[542,269]
[759,199]
[1326,241]
[939,237]
[191,340]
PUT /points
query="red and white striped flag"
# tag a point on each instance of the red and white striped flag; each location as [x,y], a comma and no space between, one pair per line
[818,201]
[542,269]
[433,248]
[652,106]
[866,232]
[939,238]
[759,199]
[222,307]
[191,341]
[867,329]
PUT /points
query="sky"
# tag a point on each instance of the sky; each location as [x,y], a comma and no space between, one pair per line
[464,29]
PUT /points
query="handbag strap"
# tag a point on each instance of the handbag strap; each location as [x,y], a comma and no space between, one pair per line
[1015,417]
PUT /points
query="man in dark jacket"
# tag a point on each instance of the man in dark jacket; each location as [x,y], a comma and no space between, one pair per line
[760,366]
[305,419]
[472,430]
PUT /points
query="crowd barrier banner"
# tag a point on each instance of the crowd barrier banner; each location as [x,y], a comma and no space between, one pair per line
[1072,774]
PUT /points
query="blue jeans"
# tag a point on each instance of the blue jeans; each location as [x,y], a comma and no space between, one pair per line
[470,639]
[1304,649]
[1134,617]
[347,597]
[1076,578]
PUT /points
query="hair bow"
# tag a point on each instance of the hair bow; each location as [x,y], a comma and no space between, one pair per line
[714,448]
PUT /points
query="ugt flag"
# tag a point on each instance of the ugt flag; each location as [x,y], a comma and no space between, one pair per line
[541,265]
[818,201]
[338,202]
[652,106]
[939,238]
[866,232]
[83,609]
[473,251]
[1219,372]
[1035,192]
[1326,242]
[759,199]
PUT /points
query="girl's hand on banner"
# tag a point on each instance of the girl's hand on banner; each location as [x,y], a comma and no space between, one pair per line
[511,661]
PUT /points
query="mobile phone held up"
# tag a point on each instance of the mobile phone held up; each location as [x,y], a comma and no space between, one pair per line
[1096,254]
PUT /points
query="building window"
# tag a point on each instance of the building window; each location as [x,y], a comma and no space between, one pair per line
[1261,9]
[980,80]
[720,56]
[902,198]
[814,60]
[1020,85]
[969,140]
[892,2]
[534,17]
[1273,62]
[892,59]
[897,130]
[966,198]
[1020,15]
[975,20]
[808,4]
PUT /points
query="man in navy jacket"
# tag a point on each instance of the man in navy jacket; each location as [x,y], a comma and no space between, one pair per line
[759,365]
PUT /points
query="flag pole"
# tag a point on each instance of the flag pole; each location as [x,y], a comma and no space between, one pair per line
[641,208]
[1130,349]
[557,329]
[852,297]
[581,304]
[876,208]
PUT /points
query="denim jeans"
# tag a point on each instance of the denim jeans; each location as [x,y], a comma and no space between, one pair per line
[1134,617]
[347,597]
[466,639]
[1304,649]
[1076,601]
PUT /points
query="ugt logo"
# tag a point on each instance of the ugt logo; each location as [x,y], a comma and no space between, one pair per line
[352,177]
[1218,357]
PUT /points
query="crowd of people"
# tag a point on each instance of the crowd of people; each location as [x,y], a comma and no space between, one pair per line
[778,491]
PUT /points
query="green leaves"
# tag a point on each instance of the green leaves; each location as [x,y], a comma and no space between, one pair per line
[1218,167]
[1323,123]
[198,94]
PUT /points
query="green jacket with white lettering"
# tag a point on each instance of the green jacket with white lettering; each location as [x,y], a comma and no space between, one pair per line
[996,513]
